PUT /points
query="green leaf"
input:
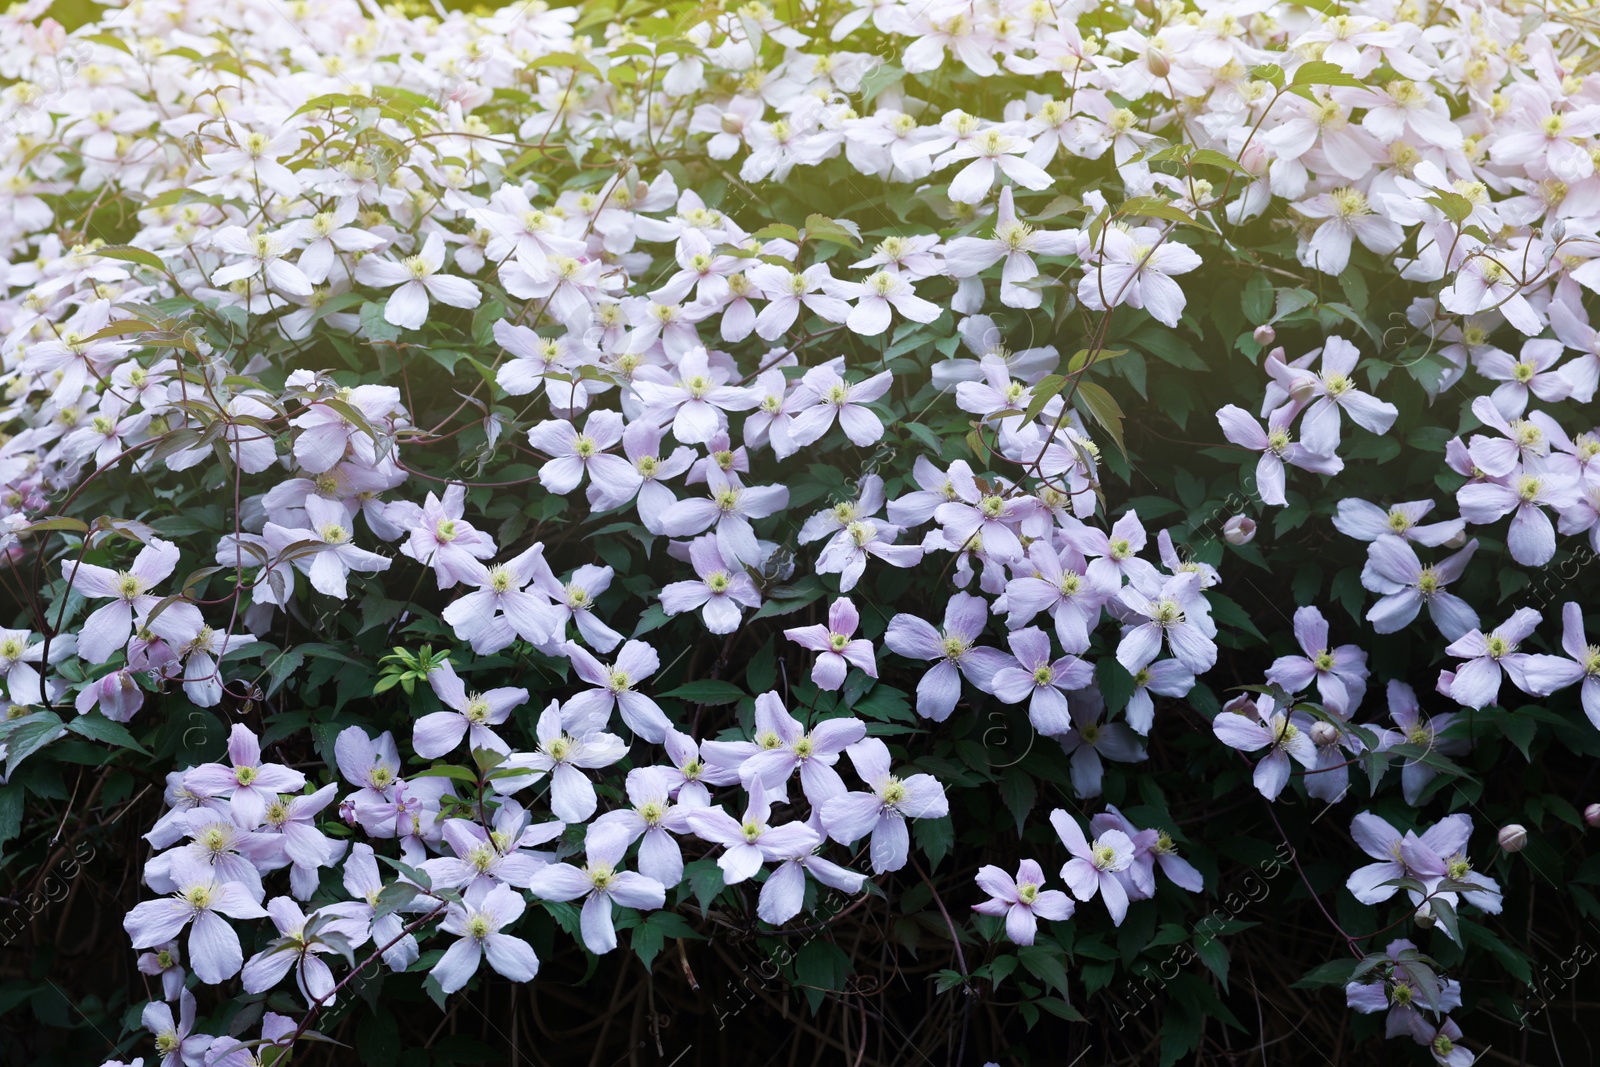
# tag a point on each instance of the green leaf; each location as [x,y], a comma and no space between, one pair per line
[1043,961]
[1331,973]
[1208,157]
[446,770]
[1292,300]
[705,881]
[375,326]
[708,691]
[28,735]
[96,726]
[1320,72]
[1105,410]
[129,254]
[1018,791]
[1154,207]
[838,231]
[935,837]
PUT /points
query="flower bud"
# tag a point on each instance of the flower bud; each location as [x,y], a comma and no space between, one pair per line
[1265,335]
[1239,530]
[1513,837]
[1324,734]
[1457,539]
[1425,917]
[1158,64]
[1303,390]
[1591,815]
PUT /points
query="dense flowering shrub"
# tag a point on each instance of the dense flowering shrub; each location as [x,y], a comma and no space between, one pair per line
[528,486]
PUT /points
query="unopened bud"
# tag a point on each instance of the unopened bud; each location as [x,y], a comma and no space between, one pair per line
[1457,539]
[732,122]
[1591,815]
[1239,530]
[1303,389]
[1265,335]
[1513,838]
[1324,734]
[1158,64]
[1425,917]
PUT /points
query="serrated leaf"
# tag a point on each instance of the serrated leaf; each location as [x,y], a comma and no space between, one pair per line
[838,231]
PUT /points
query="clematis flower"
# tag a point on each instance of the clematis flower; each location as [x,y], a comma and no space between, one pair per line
[993,152]
[784,892]
[1395,573]
[823,395]
[1402,990]
[164,963]
[1425,733]
[721,593]
[1582,663]
[1090,739]
[214,951]
[727,512]
[1331,392]
[362,882]
[441,538]
[418,279]
[1022,900]
[299,945]
[470,714]
[1476,681]
[1340,673]
[261,253]
[1073,592]
[1276,447]
[654,818]
[1368,522]
[1016,243]
[564,758]
[573,454]
[883,811]
[747,844]
[1094,868]
[248,784]
[574,601]
[479,929]
[1138,271]
[591,709]
[876,296]
[176,1041]
[109,626]
[600,884]
[955,652]
[1532,536]
[784,746]
[1171,614]
[697,402]
[506,605]
[834,641]
[323,551]
[1251,725]
[1043,682]
[1168,678]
